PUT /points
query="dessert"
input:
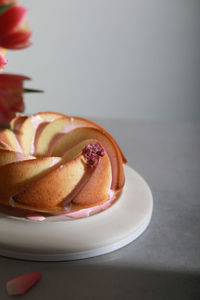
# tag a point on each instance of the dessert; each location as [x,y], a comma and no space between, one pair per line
[52,164]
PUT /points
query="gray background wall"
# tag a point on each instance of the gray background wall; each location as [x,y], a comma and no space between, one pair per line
[113,58]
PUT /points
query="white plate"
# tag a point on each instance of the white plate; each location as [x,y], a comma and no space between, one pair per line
[57,240]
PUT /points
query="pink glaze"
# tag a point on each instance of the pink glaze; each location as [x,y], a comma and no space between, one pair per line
[19,157]
[55,160]
[57,137]
[17,125]
[39,130]
[78,187]
[35,217]
[36,121]
[71,120]
[111,193]
[3,140]
[19,146]
[86,212]
[15,211]
[30,214]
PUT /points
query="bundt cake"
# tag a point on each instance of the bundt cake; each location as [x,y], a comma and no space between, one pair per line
[58,165]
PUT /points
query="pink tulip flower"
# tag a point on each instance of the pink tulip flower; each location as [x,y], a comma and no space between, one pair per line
[14,31]
[6,2]
[11,96]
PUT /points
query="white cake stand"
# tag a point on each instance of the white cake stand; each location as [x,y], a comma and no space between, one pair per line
[57,240]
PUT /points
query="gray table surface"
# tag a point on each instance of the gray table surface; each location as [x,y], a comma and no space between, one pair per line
[163,263]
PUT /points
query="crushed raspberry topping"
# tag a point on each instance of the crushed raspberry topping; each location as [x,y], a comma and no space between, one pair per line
[92,153]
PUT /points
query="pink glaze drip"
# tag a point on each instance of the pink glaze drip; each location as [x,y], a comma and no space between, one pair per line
[86,212]
[36,121]
[4,142]
[78,187]
[39,130]
[30,214]
[55,160]
[17,126]
[35,217]
[19,146]
[15,211]
[11,202]
[111,192]
[19,157]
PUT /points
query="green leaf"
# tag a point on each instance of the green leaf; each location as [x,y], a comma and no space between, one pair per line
[32,91]
[4,7]
[2,145]
[2,127]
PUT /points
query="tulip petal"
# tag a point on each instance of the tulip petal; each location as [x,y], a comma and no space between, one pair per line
[4,7]
[21,284]
[3,61]
[11,81]
[6,2]
[14,30]
[17,40]
[11,19]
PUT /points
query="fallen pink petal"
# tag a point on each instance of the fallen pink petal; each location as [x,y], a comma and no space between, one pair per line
[21,284]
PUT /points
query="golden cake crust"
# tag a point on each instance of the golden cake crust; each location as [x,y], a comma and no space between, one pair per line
[43,166]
